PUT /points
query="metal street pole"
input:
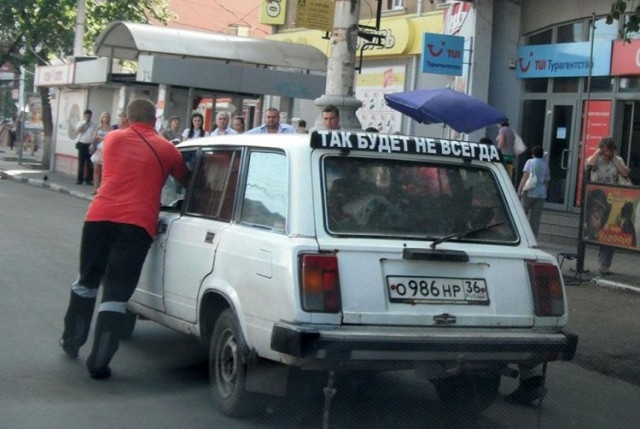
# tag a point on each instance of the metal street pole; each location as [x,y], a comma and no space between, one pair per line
[341,66]
[78,49]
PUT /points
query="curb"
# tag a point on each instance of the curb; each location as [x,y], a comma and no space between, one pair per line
[615,285]
[45,184]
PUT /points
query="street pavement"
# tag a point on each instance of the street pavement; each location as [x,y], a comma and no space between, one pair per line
[625,273]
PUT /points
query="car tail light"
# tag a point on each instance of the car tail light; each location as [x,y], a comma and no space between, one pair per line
[320,283]
[546,284]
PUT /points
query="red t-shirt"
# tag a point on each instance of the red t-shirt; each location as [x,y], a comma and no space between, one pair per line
[132,178]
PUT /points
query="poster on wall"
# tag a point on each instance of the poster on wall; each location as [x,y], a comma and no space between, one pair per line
[371,86]
[612,216]
[594,129]
[71,105]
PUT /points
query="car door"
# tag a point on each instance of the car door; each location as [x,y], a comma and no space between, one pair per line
[149,291]
[193,239]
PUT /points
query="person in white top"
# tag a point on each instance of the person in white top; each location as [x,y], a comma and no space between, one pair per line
[196,130]
[85,139]
[272,124]
[222,125]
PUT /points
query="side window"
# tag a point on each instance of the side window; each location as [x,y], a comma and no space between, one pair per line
[266,192]
[215,185]
[172,192]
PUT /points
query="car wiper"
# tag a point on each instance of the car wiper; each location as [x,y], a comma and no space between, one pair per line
[458,235]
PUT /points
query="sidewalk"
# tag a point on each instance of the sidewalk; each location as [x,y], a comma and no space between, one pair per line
[625,270]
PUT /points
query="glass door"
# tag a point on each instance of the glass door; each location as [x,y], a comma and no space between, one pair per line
[561,149]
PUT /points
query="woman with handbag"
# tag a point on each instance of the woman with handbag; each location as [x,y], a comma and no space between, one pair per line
[606,167]
[533,187]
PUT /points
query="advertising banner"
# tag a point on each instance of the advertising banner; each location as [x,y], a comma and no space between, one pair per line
[564,60]
[612,216]
[594,128]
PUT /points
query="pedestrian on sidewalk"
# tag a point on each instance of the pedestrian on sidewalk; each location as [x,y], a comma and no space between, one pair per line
[85,140]
[117,233]
[96,153]
[533,199]
[606,167]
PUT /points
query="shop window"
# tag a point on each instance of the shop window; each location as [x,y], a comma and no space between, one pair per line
[630,84]
[604,31]
[599,84]
[567,84]
[542,38]
[536,85]
[395,4]
[573,32]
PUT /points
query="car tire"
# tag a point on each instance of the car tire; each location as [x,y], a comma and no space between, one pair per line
[228,369]
[128,325]
[467,394]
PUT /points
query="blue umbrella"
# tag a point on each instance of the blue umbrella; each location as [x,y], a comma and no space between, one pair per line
[460,111]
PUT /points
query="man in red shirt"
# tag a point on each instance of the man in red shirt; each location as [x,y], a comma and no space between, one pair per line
[118,230]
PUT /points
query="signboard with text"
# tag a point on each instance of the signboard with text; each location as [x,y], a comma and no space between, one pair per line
[564,60]
[273,12]
[315,14]
[595,127]
[442,54]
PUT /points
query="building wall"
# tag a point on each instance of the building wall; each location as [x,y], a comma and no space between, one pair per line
[537,14]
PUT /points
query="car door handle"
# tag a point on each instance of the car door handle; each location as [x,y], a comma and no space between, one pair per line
[162,227]
[209,237]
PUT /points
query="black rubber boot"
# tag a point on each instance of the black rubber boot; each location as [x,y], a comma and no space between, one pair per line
[105,343]
[77,323]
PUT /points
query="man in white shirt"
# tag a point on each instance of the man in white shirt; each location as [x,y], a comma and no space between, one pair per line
[272,124]
[85,139]
[222,125]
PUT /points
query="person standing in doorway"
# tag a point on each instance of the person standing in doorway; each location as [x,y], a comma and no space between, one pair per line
[506,140]
[606,167]
[272,124]
[118,230]
[331,117]
[533,199]
[85,140]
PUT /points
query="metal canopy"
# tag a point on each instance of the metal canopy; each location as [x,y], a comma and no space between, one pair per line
[126,41]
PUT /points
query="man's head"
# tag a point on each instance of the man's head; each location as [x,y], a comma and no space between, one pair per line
[87,115]
[141,110]
[331,117]
[272,118]
[222,120]
[238,124]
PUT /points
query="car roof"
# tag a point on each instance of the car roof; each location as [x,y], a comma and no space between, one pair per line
[341,141]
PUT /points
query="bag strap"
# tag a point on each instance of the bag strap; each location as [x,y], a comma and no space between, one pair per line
[152,150]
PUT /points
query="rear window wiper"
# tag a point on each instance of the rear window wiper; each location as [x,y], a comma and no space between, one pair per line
[458,235]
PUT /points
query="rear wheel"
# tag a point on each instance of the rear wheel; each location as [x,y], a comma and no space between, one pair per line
[467,394]
[228,369]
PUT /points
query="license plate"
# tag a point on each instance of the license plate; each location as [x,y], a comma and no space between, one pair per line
[437,290]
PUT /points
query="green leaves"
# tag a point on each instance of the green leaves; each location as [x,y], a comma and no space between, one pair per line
[35,31]
[631,19]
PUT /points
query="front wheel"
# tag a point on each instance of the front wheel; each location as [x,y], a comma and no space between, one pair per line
[228,369]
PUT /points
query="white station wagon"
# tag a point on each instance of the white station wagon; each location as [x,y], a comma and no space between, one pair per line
[340,251]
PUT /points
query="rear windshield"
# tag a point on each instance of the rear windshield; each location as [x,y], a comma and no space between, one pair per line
[394,198]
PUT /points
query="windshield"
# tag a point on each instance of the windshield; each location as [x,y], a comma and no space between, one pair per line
[394,198]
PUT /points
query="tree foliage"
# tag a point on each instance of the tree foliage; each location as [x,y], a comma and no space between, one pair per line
[628,8]
[35,31]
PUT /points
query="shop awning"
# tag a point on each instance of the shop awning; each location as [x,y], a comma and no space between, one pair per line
[127,41]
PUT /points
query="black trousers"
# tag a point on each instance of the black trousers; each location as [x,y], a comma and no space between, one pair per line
[84,160]
[114,253]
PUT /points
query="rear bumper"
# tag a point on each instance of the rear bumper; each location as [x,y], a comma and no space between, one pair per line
[356,343]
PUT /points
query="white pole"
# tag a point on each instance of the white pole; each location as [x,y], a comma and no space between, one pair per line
[78,49]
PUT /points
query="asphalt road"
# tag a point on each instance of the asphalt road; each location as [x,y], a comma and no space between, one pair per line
[160,377]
